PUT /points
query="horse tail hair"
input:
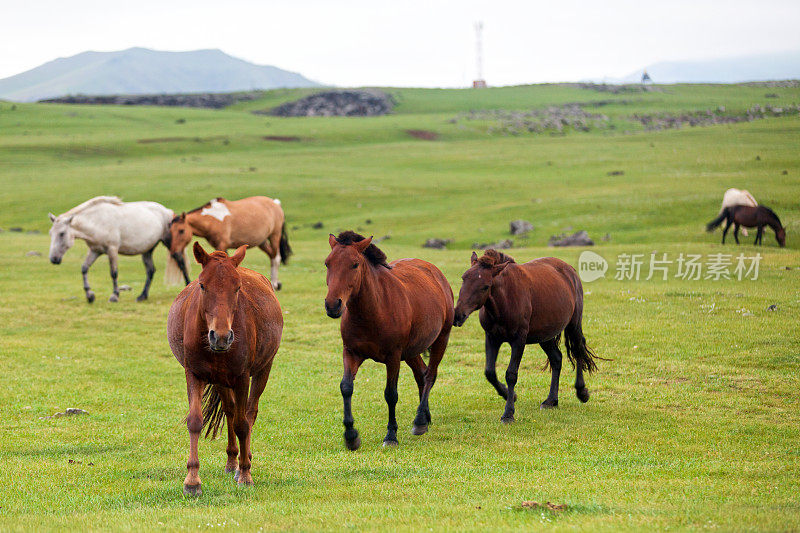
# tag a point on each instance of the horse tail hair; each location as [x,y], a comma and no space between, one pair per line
[577,352]
[284,247]
[711,226]
[213,416]
[173,275]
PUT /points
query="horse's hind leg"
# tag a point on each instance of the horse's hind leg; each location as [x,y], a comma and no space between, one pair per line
[554,357]
[436,354]
[243,431]
[272,249]
[725,231]
[91,257]
[418,367]
[226,395]
[490,371]
[150,269]
[112,264]
[517,348]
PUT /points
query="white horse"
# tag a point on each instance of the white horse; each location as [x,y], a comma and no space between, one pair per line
[111,226]
[734,197]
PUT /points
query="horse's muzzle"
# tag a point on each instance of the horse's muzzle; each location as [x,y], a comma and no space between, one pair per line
[335,310]
[459,319]
[220,344]
[55,260]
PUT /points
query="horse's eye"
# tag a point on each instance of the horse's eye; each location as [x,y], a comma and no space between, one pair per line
[485,288]
[202,287]
[355,265]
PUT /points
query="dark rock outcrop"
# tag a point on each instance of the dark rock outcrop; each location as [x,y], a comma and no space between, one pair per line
[354,103]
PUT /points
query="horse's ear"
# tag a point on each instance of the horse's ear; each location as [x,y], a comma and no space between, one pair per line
[331,240]
[499,268]
[238,257]
[362,245]
[473,259]
[52,217]
[183,216]
[200,255]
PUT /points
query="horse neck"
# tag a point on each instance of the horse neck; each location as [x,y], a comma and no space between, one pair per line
[83,228]
[369,298]
[496,295]
[773,223]
[197,224]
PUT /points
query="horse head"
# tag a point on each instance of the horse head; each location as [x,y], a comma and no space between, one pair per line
[345,265]
[219,293]
[780,235]
[61,237]
[477,283]
[180,235]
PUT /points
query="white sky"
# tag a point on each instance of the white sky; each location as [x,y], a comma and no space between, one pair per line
[408,42]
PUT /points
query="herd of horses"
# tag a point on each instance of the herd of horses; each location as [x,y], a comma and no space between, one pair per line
[225,327]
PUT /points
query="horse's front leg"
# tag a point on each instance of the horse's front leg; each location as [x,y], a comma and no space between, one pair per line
[150,269]
[390,395]
[351,364]
[112,264]
[759,235]
[736,233]
[194,423]
[490,371]
[243,430]
[91,257]
[517,347]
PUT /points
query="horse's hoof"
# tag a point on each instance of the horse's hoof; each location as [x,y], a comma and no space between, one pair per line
[230,470]
[278,286]
[113,298]
[90,297]
[419,430]
[245,483]
[141,298]
[548,405]
[390,443]
[192,491]
[507,419]
[353,445]
[582,394]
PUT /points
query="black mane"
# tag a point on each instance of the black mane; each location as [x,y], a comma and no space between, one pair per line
[771,212]
[373,253]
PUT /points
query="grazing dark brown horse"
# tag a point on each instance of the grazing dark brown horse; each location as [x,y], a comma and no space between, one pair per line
[749,217]
[526,304]
[390,313]
[255,221]
[224,329]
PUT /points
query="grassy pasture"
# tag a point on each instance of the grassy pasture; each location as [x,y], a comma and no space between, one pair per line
[693,425]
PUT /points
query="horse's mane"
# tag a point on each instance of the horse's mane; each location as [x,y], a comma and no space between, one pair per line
[492,257]
[771,212]
[115,200]
[373,253]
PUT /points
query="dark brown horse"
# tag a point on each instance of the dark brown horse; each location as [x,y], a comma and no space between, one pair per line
[255,221]
[390,313]
[526,304]
[749,217]
[224,328]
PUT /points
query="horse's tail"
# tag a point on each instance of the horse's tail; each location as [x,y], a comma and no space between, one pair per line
[173,275]
[711,226]
[284,247]
[213,416]
[577,352]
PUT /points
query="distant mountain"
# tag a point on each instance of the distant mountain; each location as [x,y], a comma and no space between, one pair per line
[774,66]
[143,71]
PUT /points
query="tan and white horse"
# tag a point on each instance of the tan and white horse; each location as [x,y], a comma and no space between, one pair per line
[255,221]
[112,227]
[734,197]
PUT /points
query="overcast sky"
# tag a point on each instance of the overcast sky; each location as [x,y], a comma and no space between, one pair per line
[408,43]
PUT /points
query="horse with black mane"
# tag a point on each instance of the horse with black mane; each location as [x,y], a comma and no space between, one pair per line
[224,328]
[530,303]
[750,217]
[391,313]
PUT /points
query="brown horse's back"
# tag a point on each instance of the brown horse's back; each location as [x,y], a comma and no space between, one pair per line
[253,220]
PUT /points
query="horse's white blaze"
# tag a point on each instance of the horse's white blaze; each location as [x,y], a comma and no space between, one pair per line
[217,210]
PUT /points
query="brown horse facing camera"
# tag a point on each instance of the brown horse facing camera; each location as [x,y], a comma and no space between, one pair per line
[526,304]
[224,329]
[390,313]
[255,221]
[749,217]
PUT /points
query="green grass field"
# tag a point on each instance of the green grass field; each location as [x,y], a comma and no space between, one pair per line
[694,424]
